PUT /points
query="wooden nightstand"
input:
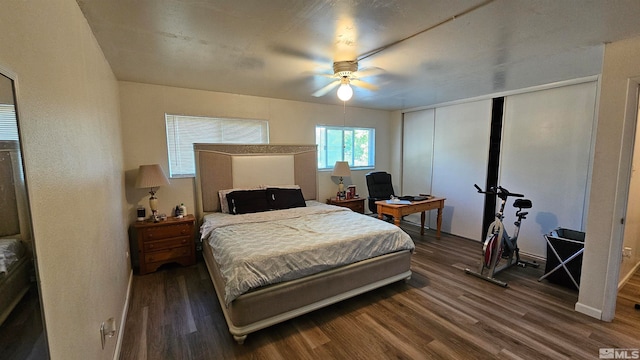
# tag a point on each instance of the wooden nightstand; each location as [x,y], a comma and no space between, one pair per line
[356,204]
[155,244]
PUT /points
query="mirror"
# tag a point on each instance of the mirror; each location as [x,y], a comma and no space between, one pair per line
[22,332]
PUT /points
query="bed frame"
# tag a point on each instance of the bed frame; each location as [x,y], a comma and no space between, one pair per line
[225,166]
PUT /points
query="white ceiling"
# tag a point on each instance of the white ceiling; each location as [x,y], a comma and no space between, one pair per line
[280,48]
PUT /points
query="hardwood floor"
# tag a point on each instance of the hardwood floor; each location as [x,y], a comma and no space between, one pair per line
[441,313]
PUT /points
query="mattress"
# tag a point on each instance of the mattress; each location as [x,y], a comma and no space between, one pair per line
[260,249]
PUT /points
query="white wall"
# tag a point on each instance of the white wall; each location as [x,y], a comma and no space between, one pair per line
[610,178]
[69,122]
[143,107]
[632,222]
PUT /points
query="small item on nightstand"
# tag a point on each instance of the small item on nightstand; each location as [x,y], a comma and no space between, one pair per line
[183,210]
[176,212]
[142,213]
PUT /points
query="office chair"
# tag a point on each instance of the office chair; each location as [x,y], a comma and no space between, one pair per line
[380,188]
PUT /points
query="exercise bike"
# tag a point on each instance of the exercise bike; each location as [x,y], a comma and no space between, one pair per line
[499,250]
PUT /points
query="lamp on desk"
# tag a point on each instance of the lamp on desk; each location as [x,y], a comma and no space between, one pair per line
[151,177]
[341,169]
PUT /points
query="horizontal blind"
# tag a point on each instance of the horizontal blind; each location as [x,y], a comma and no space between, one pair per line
[184,131]
[8,122]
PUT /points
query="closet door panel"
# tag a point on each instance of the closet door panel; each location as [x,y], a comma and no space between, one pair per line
[460,155]
[417,155]
[545,155]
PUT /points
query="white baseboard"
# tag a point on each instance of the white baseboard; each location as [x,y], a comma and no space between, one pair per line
[628,276]
[588,310]
[123,318]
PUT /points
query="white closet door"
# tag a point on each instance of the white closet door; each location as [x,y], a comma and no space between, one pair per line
[460,155]
[545,155]
[417,155]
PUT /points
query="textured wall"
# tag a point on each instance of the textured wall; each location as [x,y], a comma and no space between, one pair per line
[69,118]
[290,122]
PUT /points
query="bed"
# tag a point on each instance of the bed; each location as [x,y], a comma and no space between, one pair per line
[15,248]
[285,169]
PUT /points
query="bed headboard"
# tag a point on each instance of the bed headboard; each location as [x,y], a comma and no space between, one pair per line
[228,166]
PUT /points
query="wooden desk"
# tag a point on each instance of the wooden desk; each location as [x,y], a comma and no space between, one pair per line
[399,210]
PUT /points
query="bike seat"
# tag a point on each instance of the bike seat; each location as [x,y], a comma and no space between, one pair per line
[522,203]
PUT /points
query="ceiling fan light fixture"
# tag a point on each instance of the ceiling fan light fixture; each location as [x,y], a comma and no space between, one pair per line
[345,92]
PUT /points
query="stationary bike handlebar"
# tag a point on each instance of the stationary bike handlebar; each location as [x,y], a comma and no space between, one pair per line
[501,192]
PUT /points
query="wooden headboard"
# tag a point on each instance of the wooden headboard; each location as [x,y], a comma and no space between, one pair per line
[229,166]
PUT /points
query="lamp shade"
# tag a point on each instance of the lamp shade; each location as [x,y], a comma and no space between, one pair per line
[341,168]
[151,176]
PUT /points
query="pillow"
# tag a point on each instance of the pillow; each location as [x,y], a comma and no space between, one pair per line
[247,201]
[222,194]
[285,198]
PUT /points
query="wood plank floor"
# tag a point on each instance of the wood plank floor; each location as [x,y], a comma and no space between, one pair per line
[441,313]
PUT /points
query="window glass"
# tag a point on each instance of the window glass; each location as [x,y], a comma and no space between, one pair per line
[354,145]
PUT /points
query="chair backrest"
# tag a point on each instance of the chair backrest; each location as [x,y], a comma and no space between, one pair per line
[380,187]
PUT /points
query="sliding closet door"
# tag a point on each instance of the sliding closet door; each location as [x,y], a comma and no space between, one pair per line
[417,155]
[460,155]
[546,151]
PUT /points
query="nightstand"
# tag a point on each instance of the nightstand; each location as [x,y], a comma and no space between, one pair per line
[158,243]
[356,204]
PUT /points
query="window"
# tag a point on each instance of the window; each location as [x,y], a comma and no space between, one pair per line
[8,123]
[354,145]
[184,131]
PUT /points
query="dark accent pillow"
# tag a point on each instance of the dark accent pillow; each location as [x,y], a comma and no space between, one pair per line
[281,198]
[247,201]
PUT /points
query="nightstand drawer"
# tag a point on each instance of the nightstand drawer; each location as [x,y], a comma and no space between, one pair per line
[168,254]
[164,232]
[166,244]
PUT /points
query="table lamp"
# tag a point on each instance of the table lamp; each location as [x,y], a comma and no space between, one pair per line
[152,177]
[341,169]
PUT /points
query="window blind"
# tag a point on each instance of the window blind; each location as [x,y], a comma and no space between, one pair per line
[184,131]
[8,123]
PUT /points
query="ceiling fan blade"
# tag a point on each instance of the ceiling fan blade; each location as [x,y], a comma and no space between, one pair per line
[363,84]
[326,89]
[368,71]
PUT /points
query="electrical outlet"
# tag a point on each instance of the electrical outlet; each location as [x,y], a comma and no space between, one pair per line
[626,252]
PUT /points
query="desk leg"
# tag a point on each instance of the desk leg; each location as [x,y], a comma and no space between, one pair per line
[396,220]
[422,216]
[439,221]
[380,216]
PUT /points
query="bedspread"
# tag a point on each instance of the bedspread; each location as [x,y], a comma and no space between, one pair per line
[254,250]
[11,250]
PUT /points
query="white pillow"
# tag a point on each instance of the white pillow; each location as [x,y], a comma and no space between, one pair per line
[222,194]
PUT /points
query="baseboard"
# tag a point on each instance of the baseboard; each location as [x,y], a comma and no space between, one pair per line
[123,319]
[628,276]
[588,310]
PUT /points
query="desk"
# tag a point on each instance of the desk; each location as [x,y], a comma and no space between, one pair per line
[399,210]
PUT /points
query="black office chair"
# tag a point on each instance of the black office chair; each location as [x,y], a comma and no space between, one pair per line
[380,188]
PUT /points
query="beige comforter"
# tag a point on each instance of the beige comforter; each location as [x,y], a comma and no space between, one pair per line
[254,250]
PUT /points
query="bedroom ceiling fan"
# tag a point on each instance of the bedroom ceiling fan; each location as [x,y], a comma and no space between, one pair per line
[346,74]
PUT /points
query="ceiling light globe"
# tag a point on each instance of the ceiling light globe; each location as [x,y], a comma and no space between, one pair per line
[345,92]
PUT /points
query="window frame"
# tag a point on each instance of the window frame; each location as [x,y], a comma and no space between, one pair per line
[323,151]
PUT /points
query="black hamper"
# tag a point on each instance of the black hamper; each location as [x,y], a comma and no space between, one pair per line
[564,257]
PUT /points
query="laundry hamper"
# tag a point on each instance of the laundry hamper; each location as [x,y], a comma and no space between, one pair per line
[565,248]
